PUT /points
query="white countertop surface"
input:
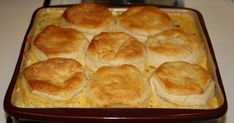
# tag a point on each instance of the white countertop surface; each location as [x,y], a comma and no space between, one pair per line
[218,15]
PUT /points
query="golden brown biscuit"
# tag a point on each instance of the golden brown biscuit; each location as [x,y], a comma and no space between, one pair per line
[55,41]
[174,45]
[183,83]
[118,86]
[91,19]
[55,78]
[142,21]
[115,48]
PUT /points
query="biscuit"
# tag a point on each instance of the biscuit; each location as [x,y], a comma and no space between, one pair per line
[115,48]
[55,78]
[183,83]
[142,21]
[118,86]
[55,41]
[174,45]
[91,19]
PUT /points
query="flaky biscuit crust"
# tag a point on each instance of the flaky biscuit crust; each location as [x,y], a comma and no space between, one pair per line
[144,20]
[118,86]
[174,45]
[91,18]
[55,41]
[183,78]
[115,48]
[56,78]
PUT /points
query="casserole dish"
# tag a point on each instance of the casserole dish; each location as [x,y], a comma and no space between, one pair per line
[81,114]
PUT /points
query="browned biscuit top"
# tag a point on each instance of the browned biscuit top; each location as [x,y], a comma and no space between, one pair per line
[174,42]
[121,85]
[183,78]
[145,20]
[88,15]
[115,46]
[57,77]
[55,40]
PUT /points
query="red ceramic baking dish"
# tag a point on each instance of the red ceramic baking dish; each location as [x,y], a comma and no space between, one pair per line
[71,115]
